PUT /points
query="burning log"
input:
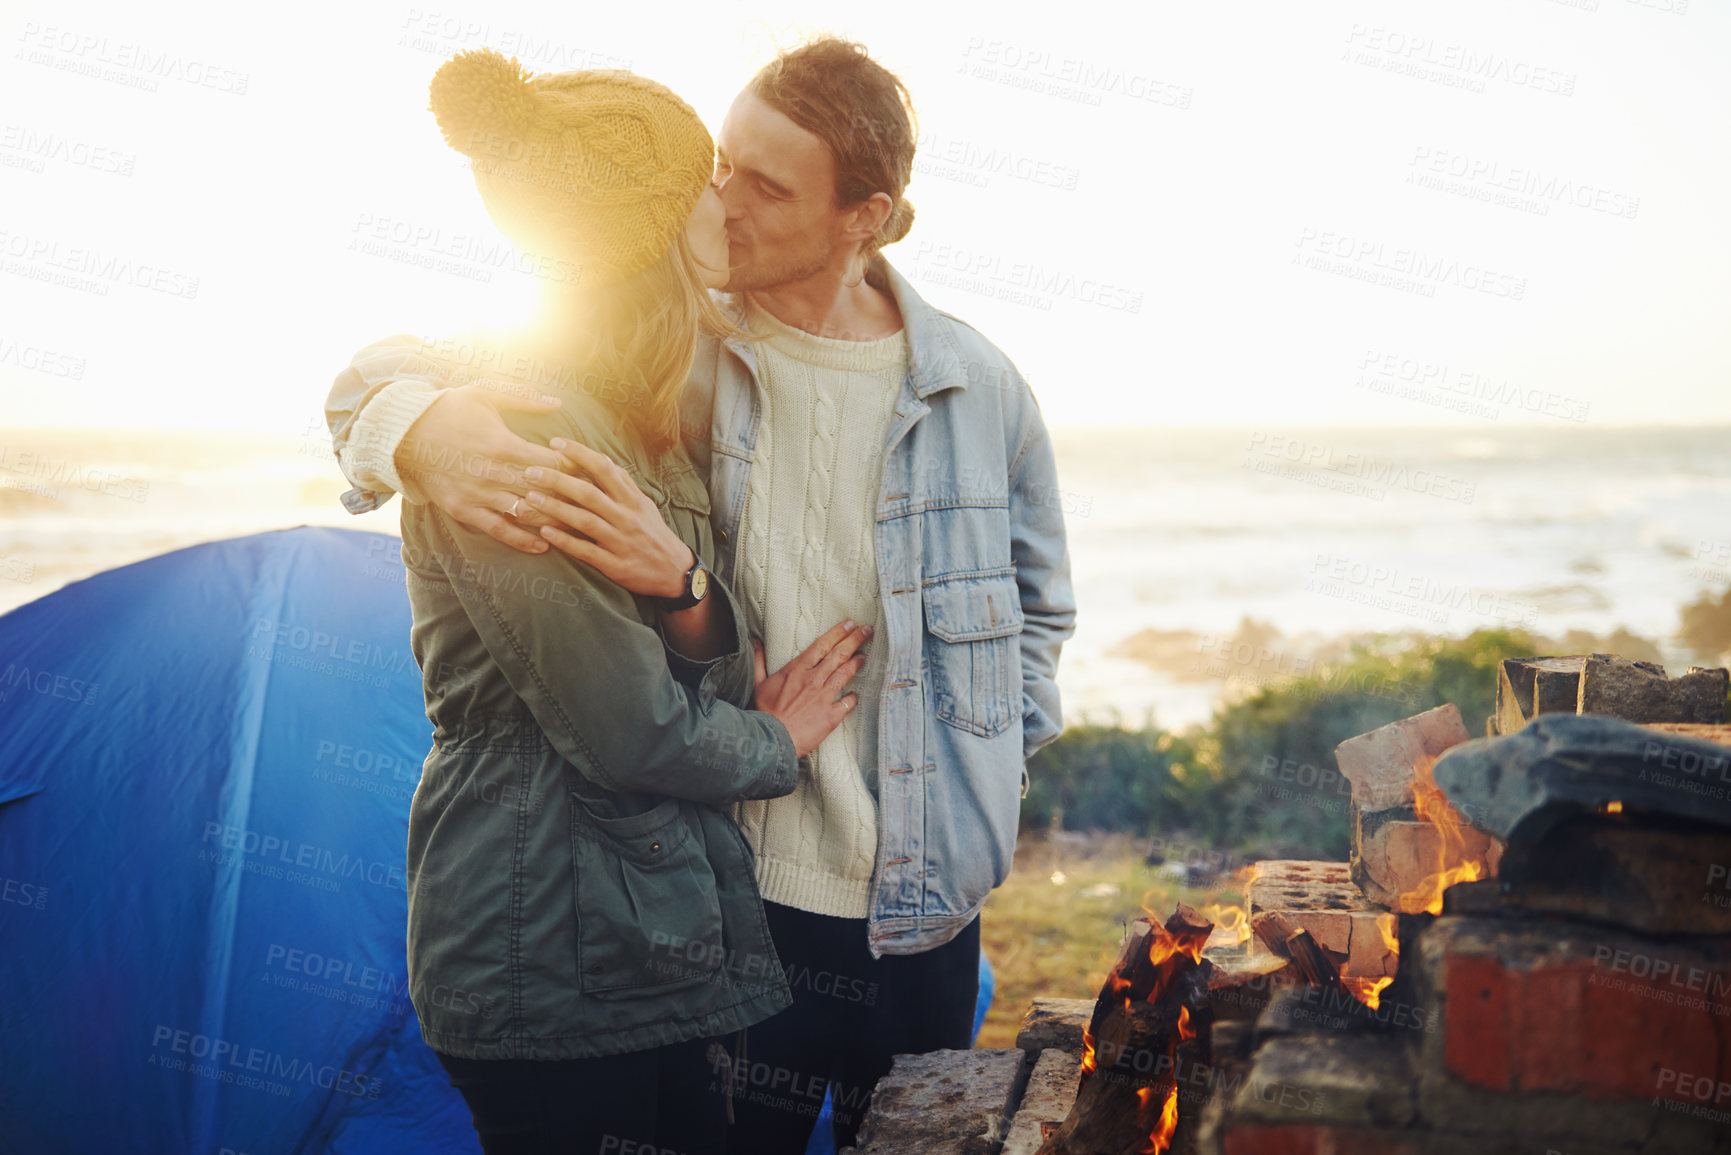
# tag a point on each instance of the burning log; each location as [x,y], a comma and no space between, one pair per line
[1311,960]
[1150,1021]
[1313,964]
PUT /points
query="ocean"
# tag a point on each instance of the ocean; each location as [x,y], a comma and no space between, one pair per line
[1205,562]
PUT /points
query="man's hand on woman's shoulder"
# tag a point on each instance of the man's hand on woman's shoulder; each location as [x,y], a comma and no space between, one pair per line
[469,463]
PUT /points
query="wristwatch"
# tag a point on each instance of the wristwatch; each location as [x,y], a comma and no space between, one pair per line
[696,588]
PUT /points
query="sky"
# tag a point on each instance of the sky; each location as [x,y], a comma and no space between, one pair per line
[1168,214]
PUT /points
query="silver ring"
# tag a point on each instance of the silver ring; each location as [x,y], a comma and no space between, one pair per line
[514,502]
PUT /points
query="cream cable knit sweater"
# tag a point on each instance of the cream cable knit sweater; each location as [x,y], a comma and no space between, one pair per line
[807,560]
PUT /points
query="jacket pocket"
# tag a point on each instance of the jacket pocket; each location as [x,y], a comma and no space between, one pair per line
[648,915]
[973,655]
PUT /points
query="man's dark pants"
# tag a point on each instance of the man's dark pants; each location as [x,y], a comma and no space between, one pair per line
[850,1014]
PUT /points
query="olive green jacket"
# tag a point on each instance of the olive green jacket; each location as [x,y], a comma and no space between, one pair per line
[577,887]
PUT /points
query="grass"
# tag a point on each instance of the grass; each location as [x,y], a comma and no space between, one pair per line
[1052,929]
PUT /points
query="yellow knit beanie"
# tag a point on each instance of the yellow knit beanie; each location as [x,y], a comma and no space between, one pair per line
[598,169]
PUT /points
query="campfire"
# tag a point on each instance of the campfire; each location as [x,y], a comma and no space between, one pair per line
[1150,1020]
[1532,938]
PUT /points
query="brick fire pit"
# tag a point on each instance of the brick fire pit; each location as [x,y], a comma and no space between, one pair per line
[1566,988]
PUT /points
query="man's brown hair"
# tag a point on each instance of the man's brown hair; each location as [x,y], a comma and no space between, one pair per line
[834,90]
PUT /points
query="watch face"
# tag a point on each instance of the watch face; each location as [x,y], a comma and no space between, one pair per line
[700,583]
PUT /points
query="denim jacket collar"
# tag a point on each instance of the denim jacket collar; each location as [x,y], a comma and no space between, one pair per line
[934,362]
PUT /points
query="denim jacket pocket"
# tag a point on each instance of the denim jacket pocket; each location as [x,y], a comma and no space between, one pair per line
[974,623]
[648,915]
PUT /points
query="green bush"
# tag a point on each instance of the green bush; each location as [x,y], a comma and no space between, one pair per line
[1106,778]
[1260,777]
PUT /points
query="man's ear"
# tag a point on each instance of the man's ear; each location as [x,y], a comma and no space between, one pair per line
[866,218]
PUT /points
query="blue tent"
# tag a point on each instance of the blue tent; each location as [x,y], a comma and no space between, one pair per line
[206,761]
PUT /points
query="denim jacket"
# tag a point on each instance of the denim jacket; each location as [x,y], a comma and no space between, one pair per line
[975,585]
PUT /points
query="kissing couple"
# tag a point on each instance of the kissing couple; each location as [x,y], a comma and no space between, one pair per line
[733,441]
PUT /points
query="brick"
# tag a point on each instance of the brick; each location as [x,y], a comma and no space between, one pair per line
[1516,686]
[1642,692]
[1557,691]
[1720,733]
[1398,855]
[943,1103]
[1346,1080]
[1570,1009]
[1319,1095]
[1242,981]
[1379,763]
[1300,1140]
[1322,898]
[1055,1023]
[1653,876]
[1050,1094]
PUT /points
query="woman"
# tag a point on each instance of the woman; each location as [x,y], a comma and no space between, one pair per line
[583,918]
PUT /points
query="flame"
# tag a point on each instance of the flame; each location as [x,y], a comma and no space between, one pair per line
[1160,1137]
[1366,991]
[1432,805]
[1231,923]
[1167,951]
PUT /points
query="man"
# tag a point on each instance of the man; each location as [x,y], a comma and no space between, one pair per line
[869,458]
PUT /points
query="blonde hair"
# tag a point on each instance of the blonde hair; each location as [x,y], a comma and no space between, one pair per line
[645,331]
